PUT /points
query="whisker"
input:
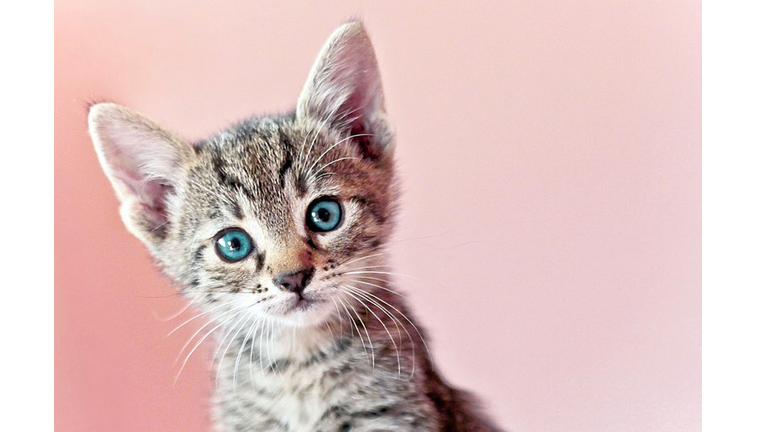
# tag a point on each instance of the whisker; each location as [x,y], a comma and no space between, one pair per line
[239,356]
[391,316]
[379,272]
[205,325]
[364,257]
[396,349]
[272,364]
[220,343]
[216,358]
[197,345]
[315,174]
[262,336]
[307,173]
[365,295]
[378,266]
[252,343]
[406,239]
[195,317]
[420,335]
[339,314]
[377,279]
[328,326]
[267,328]
[362,341]
[279,331]
[240,323]
[367,334]
[320,127]
[173,316]
[156,297]
[219,347]
[304,141]
[397,293]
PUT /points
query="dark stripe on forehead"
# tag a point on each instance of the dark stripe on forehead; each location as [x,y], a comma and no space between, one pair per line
[236,210]
[301,185]
[285,167]
[230,180]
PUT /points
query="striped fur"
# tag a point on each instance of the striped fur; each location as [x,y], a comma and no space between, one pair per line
[352,358]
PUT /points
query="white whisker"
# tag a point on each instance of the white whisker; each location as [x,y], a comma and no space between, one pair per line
[396,349]
[239,354]
[315,174]
[363,257]
[362,341]
[199,342]
[367,296]
[379,272]
[399,294]
[307,173]
[339,314]
[409,321]
[320,127]
[173,316]
[258,321]
[228,345]
[262,336]
[367,334]
[194,318]
[230,311]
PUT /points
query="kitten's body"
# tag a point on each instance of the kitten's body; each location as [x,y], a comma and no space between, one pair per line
[311,333]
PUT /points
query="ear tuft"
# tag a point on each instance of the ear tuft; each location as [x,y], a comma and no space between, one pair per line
[344,89]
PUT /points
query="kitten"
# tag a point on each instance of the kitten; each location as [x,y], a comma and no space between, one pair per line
[276,229]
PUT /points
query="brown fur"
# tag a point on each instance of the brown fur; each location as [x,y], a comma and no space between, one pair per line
[352,358]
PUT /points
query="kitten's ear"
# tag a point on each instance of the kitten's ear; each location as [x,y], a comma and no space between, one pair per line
[344,89]
[142,161]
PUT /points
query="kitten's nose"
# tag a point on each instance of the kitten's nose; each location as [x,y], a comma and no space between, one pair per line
[294,282]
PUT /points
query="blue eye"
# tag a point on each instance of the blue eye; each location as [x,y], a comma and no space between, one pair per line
[324,214]
[233,244]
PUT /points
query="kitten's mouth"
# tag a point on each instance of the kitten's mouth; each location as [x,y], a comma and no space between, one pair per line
[301,304]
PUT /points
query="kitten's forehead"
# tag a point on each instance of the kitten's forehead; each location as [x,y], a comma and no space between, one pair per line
[251,171]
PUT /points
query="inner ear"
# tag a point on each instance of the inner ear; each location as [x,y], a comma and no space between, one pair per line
[364,140]
[344,90]
[143,162]
[154,210]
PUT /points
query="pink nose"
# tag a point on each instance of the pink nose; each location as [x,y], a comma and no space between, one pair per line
[295,281]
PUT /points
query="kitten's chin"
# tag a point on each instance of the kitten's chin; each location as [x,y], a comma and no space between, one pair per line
[302,312]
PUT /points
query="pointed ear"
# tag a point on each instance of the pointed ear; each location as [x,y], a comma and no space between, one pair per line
[344,89]
[143,162]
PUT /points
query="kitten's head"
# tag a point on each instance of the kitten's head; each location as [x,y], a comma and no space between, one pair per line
[276,215]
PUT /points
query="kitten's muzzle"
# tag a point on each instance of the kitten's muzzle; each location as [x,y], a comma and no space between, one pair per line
[294,282]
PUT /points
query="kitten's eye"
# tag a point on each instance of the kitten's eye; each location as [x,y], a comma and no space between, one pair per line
[233,244]
[324,214]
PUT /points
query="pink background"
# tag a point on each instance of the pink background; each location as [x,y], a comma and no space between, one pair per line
[550,154]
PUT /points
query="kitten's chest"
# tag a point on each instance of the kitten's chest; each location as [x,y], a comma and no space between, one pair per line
[286,395]
[301,400]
